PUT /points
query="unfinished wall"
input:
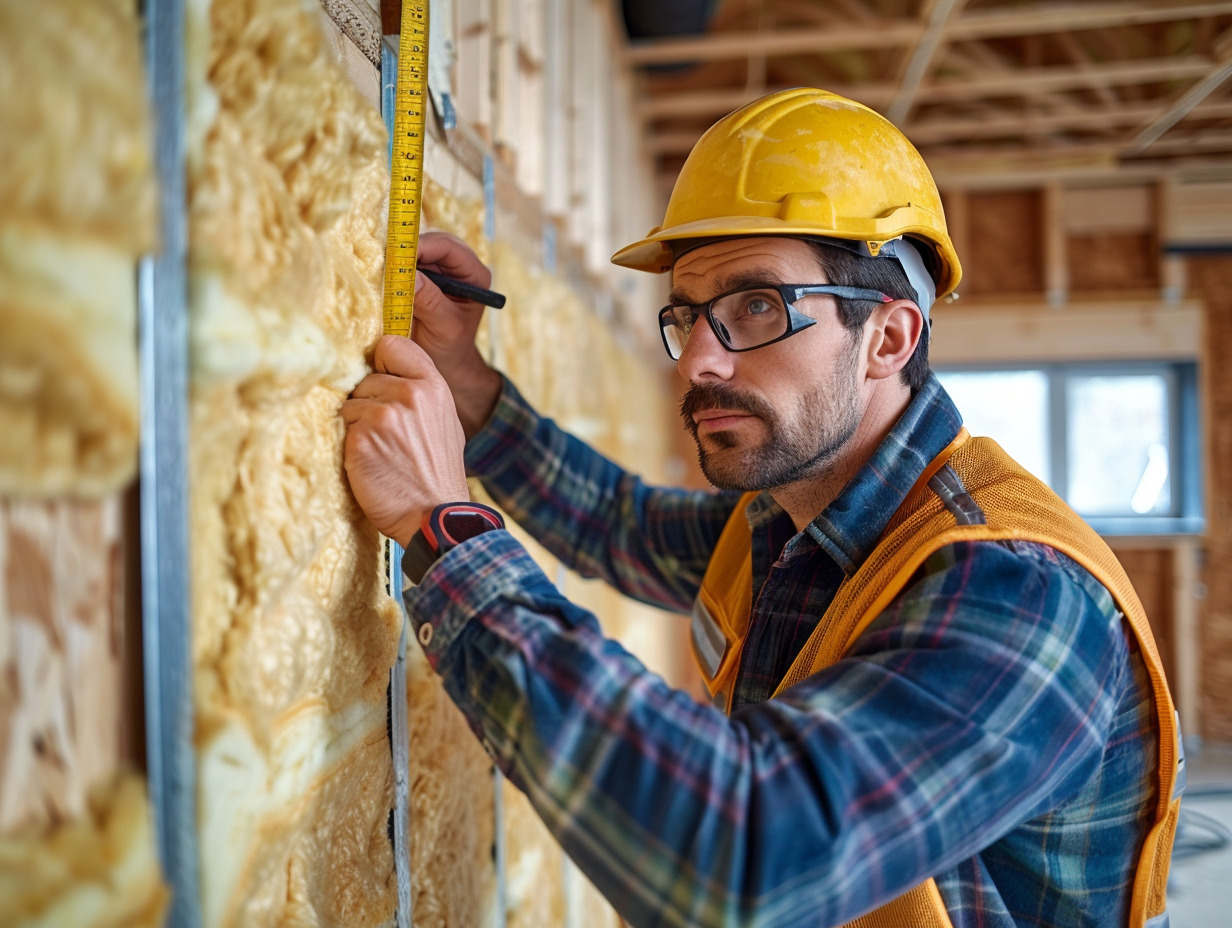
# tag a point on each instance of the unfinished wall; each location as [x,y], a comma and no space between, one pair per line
[76,842]
[293,633]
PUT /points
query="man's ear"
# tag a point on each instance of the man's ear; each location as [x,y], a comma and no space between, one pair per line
[895,330]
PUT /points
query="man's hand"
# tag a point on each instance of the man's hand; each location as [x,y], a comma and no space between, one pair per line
[445,328]
[404,443]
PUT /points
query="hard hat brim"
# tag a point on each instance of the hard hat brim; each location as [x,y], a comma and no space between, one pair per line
[655,254]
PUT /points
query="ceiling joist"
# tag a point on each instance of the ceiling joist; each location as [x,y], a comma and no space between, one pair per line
[1039,19]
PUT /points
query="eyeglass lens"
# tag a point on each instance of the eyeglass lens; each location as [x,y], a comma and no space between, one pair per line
[741,320]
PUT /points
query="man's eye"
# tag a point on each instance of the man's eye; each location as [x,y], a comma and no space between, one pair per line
[757,306]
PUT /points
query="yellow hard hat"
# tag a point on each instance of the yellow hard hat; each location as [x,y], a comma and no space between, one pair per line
[807,163]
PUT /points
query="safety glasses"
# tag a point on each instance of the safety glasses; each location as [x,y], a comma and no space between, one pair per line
[746,319]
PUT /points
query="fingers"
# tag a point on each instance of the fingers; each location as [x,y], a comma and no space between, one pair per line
[453,257]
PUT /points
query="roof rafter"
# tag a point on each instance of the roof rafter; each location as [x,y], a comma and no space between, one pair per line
[891,33]
[1023,82]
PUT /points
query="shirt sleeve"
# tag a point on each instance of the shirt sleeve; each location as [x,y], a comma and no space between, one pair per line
[652,544]
[979,700]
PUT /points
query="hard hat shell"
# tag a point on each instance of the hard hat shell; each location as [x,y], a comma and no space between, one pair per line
[803,162]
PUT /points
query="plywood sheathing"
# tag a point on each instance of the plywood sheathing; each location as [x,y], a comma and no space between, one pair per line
[1151,570]
[1005,244]
[1211,278]
[61,657]
[360,21]
[293,633]
[1111,262]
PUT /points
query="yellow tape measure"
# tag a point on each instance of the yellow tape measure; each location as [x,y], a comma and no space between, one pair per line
[406,167]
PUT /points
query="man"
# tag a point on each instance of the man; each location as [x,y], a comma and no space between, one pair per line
[942,702]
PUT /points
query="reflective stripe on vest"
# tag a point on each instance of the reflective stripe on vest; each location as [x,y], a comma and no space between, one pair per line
[972,491]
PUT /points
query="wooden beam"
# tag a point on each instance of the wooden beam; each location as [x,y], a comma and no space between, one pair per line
[1056,259]
[1045,18]
[1178,110]
[938,14]
[1027,82]
[1028,124]
[1086,330]
[1187,631]
[360,21]
[892,33]
[717,45]
[711,104]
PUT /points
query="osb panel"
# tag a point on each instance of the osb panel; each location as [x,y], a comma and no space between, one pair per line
[293,633]
[61,657]
[1151,572]
[1211,279]
[78,209]
[1112,261]
[1005,244]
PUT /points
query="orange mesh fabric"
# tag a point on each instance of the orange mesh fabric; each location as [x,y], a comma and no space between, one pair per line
[917,908]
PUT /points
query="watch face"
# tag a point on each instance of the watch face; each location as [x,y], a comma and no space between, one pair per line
[461,524]
[454,523]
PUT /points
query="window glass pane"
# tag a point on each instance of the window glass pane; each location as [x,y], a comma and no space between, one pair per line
[1011,407]
[1118,445]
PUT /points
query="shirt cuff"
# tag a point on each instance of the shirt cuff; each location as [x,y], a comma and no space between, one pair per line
[468,580]
[511,421]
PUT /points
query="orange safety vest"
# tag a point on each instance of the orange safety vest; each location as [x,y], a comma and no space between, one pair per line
[972,491]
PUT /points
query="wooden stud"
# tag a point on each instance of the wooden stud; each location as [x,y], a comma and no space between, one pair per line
[1056,260]
[1186,615]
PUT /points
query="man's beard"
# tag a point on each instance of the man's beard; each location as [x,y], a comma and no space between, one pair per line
[792,450]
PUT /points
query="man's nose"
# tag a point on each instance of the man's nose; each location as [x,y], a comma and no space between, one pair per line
[703,356]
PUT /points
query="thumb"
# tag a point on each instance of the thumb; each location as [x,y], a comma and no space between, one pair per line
[401,357]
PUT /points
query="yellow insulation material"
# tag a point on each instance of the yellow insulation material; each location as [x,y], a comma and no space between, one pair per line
[534,878]
[453,876]
[97,871]
[293,632]
[76,210]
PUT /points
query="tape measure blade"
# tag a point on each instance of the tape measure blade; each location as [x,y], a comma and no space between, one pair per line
[406,169]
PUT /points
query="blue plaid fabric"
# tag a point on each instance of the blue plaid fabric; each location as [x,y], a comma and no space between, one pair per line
[992,728]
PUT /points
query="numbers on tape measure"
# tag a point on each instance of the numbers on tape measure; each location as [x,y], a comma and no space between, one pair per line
[406,168]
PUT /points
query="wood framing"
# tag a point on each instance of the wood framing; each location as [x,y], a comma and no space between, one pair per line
[1122,83]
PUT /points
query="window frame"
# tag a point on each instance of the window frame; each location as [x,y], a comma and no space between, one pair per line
[1186,515]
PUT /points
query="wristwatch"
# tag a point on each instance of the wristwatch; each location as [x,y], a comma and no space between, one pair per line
[444,528]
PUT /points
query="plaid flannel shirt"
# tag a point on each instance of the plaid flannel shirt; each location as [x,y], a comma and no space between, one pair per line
[991,729]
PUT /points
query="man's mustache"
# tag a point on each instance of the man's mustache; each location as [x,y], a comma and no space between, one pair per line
[702,396]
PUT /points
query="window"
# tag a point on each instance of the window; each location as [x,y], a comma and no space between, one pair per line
[1119,443]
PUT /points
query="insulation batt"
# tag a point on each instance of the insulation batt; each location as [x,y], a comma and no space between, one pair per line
[76,210]
[452,814]
[293,632]
[97,871]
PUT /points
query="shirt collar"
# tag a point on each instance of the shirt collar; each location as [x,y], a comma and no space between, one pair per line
[849,527]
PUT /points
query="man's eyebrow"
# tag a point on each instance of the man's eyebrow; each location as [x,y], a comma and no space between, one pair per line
[737,280]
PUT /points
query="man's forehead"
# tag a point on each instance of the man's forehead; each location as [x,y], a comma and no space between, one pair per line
[733,264]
